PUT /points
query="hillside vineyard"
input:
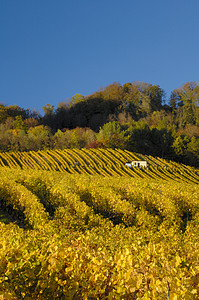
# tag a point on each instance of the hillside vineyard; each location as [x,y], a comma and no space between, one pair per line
[106,162]
[80,224]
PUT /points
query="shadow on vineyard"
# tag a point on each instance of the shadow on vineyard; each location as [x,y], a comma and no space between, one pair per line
[40,189]
[87,198]
[146,205]
[104,210]
[154,211]
[4,217]
[186,217]
[10,214]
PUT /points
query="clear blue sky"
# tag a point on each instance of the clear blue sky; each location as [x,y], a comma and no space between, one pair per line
[53,49]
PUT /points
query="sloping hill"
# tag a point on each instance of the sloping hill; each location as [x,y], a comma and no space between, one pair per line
[106,162]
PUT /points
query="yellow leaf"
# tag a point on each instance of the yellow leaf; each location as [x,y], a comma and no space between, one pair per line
[132,289]
[127,251]
[173,296]
[68,269]
[178,260]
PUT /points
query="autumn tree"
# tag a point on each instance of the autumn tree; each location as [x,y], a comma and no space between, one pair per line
[62,116]
[140,99]
[184,102]
[113,92]
[39,137]
[77,98]
[112,135]
[49,114]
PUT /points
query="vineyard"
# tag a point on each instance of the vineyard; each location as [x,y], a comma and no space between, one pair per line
[106,162]
[80,224]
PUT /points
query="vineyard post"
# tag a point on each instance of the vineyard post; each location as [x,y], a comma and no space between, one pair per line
[168,289]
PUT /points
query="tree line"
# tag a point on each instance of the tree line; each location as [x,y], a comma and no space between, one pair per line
[133,116]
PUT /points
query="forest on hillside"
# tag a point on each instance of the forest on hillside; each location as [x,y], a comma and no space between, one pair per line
[134,116]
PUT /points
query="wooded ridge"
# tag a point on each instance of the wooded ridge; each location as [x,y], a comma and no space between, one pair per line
[133,116]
